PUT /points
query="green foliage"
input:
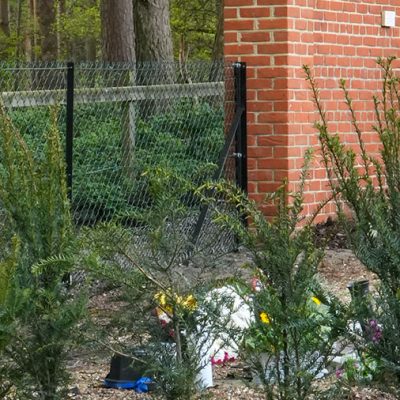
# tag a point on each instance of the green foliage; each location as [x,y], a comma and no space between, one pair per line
[175,379]
[170,279]
[7,269]
[37,312]
[80,23]
[358,370]
[41,221]
[8,46]
[369,185]
[193,25]
[296,320]
[186,140]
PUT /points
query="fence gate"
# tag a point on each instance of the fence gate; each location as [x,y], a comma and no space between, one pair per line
[120,120]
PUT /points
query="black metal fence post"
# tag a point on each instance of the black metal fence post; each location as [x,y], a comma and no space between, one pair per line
[69,140]
[238,134]
[241,133]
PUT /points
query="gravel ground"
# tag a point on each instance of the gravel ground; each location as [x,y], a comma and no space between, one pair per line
[230,383]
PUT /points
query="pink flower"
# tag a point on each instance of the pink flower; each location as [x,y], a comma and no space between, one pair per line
[339,373]
[215,362]
[227,358]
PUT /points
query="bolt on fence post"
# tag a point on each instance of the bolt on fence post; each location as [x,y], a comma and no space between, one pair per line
[241,133]
[69,139]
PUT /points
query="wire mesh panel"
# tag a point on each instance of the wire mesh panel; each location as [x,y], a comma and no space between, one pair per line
[28,92]
[129,120]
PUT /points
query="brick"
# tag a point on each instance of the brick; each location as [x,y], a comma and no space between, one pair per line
[255,12]
[280,60]
[271,117]
[237,3]
[260,175]
[301,25]
[281,129]
[258,83]
[255,37]
[273,140]
[271,2]
[276,23]
[267,187]
[230,13]
[281,106]
[238,25]
[265,72]
[339,39]
[261,106]
[271,48]
[239,49]
[259,152]
[281,173]
[277,95]
[259,129]
[282,36]
[257,60]
[231,37]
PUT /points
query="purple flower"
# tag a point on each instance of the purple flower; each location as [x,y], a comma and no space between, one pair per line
[375,331]
[377,336]
[373,323]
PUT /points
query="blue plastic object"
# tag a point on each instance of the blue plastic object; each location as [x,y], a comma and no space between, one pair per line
[139,386]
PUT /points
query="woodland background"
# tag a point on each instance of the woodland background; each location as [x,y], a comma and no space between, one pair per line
[110,30]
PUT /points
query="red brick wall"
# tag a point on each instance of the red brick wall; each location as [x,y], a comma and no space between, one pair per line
[339,39]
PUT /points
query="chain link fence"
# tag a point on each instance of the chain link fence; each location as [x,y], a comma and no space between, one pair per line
[119,121]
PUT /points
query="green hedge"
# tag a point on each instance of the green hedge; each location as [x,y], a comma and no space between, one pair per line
[186,139]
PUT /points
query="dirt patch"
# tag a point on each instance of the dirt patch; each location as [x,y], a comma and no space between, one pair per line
[339,268]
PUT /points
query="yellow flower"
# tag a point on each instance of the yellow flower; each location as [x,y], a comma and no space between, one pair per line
[316,300]
[190,302]
[167,301]
[264,318]
[161,298]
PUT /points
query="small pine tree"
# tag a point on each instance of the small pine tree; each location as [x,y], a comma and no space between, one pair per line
[296,320]
[35,307]
[369,186]
[164,271]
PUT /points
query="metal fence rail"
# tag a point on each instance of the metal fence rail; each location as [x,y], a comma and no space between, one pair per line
[120,120]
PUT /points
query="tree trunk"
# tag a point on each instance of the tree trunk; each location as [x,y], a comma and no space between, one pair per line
[153,44]
[91,49]
[31,42]
[153,31]
[28,47]
[218,48]
[61,40]
[46,14]
[118,45]
[46,20]
[5,17]
[91,41]
[18,31]
[117,30]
